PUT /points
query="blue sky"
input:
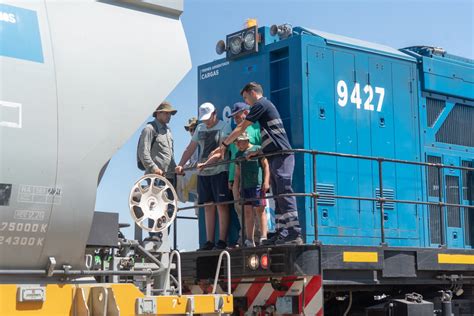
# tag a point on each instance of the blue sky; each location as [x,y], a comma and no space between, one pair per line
[447,24]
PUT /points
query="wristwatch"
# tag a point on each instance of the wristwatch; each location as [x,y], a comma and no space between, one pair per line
[224,144]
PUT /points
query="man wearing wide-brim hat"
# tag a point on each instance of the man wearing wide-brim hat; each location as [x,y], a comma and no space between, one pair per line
[155,147]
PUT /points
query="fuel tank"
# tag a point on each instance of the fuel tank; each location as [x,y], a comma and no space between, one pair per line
[77,79]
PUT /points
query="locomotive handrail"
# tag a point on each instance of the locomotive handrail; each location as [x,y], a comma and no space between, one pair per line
[320,195]
[219,262]
[329,153]
[168,272]
[315,195]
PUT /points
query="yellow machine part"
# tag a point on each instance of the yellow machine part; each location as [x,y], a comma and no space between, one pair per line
[62,299]
[58,301]
[360,256]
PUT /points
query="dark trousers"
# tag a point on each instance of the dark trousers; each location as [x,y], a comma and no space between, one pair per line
[281,176]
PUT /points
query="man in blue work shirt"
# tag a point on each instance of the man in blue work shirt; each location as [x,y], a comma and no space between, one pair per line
[274,138]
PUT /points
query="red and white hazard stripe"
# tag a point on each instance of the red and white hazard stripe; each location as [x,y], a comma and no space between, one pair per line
[313,301]
[260,293]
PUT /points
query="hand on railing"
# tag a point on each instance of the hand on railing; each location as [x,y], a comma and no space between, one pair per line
[219,151]
[253,154]
[179,170]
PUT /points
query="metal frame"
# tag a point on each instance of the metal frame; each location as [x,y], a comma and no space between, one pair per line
[315,195]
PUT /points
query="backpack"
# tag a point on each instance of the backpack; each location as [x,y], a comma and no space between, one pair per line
[139,162]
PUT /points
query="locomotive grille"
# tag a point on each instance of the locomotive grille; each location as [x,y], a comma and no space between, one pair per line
[433,183]
[433,191]
[467,193]
[467,182]
[435,224]
[434,108]
[452,197]
[458,128]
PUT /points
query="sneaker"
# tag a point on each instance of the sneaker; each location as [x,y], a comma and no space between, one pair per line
[289,240]
[220,245]
[233,246]
[271,241]
[249,243]
[209,245]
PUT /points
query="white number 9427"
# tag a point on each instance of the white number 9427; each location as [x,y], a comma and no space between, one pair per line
[355,98]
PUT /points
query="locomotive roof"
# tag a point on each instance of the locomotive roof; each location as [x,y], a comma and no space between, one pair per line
[339,40]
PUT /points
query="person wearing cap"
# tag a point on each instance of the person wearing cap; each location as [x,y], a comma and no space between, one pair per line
[212,181]
[274,139]
[155,146]
[252,179]
[239,112]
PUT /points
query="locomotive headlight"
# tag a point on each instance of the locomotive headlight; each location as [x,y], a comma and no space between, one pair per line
[240,44]
[249,40]
[236,45]
[253,262]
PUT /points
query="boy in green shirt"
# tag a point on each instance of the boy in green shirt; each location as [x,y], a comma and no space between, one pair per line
[254,185]
[239,112]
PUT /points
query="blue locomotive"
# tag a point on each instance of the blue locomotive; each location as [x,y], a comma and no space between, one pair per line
[341,95]
[384,175]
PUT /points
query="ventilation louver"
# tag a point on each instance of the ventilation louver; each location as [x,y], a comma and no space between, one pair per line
[388,194]
[326,189]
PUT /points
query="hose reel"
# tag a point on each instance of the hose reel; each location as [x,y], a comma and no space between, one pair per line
[153,198]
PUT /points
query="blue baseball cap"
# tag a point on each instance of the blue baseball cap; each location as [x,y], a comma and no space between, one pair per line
[238,107]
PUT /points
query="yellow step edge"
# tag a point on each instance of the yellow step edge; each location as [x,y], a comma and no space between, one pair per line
[203,304]
[360,256]
[455,259]
[60,297]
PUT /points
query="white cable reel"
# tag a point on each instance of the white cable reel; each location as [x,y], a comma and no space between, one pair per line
[153,198]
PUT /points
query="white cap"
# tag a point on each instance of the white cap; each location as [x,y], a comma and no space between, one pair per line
[205,111]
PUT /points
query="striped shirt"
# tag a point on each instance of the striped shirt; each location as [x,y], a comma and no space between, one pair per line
[274,137]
